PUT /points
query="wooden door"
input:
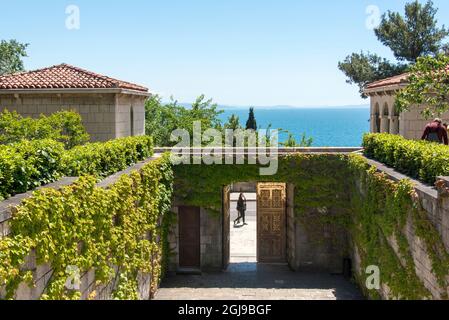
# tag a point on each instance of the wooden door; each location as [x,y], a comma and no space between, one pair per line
[189,238]
[271,223]
[226,226]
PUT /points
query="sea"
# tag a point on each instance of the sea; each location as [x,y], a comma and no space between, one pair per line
[329,127]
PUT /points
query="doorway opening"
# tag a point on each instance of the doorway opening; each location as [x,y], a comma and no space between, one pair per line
[243,234]
[262,237]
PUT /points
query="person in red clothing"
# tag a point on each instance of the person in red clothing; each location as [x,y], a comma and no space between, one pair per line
[436,132]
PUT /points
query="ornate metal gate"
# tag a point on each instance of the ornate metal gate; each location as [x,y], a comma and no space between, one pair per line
[271,222]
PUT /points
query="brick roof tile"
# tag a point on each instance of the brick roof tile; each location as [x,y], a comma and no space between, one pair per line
[64,76]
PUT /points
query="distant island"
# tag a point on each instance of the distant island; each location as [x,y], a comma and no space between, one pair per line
[229,107]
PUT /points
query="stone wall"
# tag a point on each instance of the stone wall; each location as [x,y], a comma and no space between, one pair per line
[310,247]
[211,242]
[105,116]
[409,124]
[130,111]
[320,247]
[42,273]
[436,205]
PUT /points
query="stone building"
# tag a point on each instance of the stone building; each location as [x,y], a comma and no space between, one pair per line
[109,108]
[385,119]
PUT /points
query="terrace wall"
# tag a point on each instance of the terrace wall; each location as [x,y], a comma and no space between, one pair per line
[42,273]
[435,202]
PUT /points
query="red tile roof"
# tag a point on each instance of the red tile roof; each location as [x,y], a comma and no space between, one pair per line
[396,80]
[64,76]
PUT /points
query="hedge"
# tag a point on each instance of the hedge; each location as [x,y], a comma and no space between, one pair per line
[63,126]
[30,164]
[418,159]
[105,158]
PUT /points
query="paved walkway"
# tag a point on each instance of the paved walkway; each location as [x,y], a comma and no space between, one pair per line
[249,281]
[244,237]
[246,280]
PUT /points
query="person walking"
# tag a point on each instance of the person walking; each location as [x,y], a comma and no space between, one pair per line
[241,209]
[436,132]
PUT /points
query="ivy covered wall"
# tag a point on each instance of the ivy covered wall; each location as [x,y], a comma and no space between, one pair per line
[114,239]
[384,221]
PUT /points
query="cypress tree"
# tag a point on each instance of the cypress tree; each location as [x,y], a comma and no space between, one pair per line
[251,124]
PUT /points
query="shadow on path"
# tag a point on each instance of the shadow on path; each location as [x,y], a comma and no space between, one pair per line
[251,281]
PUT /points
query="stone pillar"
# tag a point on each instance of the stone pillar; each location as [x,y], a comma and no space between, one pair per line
[394,125]
[384,124]
[373,123]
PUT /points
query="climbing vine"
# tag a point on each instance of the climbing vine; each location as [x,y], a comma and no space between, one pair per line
[381,210]
[339,191]
[115,232]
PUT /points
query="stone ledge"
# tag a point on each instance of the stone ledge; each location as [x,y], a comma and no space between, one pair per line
[115,177]
[5,206]
[396,176]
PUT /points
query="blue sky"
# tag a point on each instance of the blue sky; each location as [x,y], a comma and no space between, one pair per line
[238,52]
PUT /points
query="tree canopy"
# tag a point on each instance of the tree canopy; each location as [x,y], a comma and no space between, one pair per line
[11,54]
[409,36]
[251,124]
[363,68]
[428,84]
[414,35]
[162,119]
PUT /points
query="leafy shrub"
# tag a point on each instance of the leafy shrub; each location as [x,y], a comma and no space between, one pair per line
[63,126]
[419,159]
[29,164]
[106,158]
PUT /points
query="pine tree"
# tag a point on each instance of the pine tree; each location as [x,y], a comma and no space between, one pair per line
[251,124]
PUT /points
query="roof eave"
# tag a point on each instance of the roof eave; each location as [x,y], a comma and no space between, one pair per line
[76,90]
[385,89]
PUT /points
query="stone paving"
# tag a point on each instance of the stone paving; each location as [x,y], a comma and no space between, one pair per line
[250,281]
[247,280]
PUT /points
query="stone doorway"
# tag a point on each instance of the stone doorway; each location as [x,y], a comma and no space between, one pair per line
[263,239]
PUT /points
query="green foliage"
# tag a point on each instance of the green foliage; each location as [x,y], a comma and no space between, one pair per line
[291,141]
[11,54]
[251,123]
[29,164]
[414,35]
[93,229]
[317,179]
[63,126]
[364,68]
[233,123]
[409,38]
[428,85]
[381,209]
[105,158]
[163,119]
[418,159]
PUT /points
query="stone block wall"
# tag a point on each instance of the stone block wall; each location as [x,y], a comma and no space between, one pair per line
[435,202]
[130,111]
[105,116]
[411,123]
[42,273]
[211,242]
[320,247]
